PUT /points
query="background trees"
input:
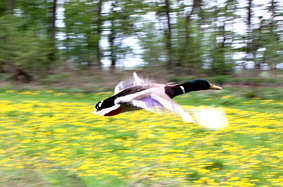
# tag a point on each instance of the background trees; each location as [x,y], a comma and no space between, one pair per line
[197,36]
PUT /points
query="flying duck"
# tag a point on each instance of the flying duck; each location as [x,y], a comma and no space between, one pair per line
[137,93]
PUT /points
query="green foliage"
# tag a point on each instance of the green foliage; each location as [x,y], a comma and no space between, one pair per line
[2,8]
[21,49]
[267,93]
[35,16]
[250,94]
[193,176]
[203,38]
[215,165]
[152,45]
[189,54]
[80,40]
[84,27]
[4,77]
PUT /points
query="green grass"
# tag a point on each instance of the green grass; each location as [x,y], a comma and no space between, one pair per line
[51,138]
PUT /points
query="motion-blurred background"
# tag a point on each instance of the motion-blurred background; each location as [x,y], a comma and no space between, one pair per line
[78,42]
[58,58]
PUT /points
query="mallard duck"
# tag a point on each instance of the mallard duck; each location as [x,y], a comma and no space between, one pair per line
[137,93]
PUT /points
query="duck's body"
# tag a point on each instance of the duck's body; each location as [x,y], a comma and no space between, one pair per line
[139,94]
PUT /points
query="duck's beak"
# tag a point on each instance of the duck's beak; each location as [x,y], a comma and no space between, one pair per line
[214,87]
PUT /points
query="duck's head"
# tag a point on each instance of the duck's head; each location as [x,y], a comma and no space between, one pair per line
[199,84]
[107,107]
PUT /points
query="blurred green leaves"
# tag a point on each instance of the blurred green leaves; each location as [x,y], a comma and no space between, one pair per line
[21,49]
[204,37]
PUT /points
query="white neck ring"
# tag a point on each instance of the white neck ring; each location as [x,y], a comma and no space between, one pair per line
[183,89]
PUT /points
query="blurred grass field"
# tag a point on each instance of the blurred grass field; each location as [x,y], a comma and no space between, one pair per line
[51,138]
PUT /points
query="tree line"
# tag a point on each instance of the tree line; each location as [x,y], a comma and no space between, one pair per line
[194,36]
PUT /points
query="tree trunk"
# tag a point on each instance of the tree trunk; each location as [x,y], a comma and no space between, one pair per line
[22,76]
[89,50]
[113,56]
[168,34]
[112,37]
[274,35]
[183,56]
[250,39]
[99,32]
[52,31]
[10,4]
[196,5]
[8,7]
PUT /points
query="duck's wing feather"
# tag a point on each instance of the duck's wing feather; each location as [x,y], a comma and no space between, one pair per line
[132,82]
[148,103]
[170,105]
[154,101]
[122,86]
[127,98]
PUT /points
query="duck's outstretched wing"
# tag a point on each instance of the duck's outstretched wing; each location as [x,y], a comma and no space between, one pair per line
[154,101]
[123,85]
[132,82]
[170,105]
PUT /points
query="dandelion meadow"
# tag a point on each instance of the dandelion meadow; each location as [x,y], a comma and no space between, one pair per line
[51,138]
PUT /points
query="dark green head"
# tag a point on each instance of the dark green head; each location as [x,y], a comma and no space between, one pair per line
[199,84]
